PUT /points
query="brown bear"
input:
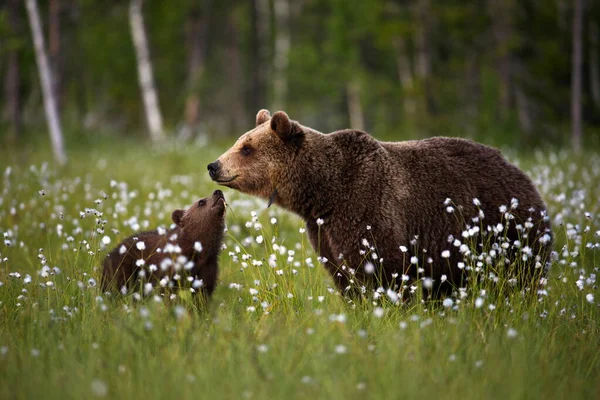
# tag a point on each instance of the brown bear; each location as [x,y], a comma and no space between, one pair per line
[383,214]
[185,256]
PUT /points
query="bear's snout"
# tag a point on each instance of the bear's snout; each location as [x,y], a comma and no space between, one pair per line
[218,193]
[213,169]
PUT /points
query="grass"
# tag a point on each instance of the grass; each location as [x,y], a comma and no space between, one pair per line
[292,336]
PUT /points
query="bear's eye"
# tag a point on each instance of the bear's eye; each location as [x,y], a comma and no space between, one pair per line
[201,203]
[246,150]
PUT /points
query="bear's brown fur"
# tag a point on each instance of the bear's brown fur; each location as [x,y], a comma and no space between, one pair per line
[202,223]
[384,205]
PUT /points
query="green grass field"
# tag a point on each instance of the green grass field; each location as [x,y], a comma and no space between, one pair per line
[275,327]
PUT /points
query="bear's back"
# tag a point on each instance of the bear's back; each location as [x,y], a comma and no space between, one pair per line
[461,170]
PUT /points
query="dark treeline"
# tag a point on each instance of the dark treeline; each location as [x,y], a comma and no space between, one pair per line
[516,71]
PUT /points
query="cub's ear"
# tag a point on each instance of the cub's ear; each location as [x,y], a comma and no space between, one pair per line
[177,216]
[262,117]
[284,127]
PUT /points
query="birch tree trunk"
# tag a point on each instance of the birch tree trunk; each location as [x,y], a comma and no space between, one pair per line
[54,50]
[282,49]
[576,78]
[405,76]
[355,110]
[46,79]
[12,79]
[145,74]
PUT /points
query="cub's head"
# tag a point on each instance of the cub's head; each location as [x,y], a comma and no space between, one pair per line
[258,159]
[204,220]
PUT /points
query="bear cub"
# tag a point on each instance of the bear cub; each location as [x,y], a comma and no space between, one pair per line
[185,256]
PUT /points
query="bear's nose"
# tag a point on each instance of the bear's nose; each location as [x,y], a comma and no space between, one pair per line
[218,193]
[213,168]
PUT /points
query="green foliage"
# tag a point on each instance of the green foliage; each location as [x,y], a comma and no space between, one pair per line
[333,43]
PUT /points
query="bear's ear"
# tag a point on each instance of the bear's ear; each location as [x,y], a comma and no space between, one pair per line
[281,125]
[262,117]
[177,216]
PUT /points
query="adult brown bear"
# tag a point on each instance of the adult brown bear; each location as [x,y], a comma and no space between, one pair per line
[385,214]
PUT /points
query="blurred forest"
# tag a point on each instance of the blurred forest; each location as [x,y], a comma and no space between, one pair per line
[511,72]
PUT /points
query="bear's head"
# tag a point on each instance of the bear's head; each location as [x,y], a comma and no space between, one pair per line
[259,158]
[203,221]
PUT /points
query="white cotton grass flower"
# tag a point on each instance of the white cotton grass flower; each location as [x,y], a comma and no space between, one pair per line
[378,312]
[511,333]
[147,288]
[448,302]
[106,240]
[263,348]
[197,283]
[320,221]
[198,247]
[122,249]
[478,302]
[369,268]
[446,254]
[180,312]
[341,349]
[590,298]
[140,245]
[99,388]
[259,239]
[393,296]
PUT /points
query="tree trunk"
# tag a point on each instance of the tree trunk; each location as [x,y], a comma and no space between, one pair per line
[472,89]
[594,64]
[54,50]
[576,78]
[12,79]
[405,76]
[523,110]
[145,74]
[282,49]
[423,62]
[502,31]
[236,114]
[255,91]
[265,53]
[46,78]
[197,39]
[355,110]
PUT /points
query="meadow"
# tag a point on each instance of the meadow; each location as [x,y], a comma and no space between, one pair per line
[276,327]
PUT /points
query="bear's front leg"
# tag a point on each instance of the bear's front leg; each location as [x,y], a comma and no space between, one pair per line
[321,244]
